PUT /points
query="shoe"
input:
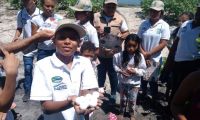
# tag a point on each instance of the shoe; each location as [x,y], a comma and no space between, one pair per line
[26,97]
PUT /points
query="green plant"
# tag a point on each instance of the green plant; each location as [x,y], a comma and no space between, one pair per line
[173,8]
[15,3]
[63,5]
[97,6]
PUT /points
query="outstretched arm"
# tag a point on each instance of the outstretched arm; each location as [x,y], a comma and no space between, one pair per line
[10,65]
[22,44]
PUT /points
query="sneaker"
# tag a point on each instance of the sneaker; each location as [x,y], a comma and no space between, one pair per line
[26,97]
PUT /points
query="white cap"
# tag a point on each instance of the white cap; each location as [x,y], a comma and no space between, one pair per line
[110,1]
[82,5]
[157,5]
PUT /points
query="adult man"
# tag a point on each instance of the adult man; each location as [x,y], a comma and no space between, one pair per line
[112,30]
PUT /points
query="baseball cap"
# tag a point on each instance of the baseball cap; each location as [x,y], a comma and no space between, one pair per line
[110,1]
[65,24]
[157,5]
[82,5]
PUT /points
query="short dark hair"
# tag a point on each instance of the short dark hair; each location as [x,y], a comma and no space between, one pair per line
[87,45]
[42,1]
[189,14]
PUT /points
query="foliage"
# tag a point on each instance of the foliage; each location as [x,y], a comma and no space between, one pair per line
[173,8]
[97,5]
[15,3]
[64,5]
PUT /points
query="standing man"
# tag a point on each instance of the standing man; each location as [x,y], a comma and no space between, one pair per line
[112,30]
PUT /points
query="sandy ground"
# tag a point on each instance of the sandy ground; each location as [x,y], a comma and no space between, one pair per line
[31,110]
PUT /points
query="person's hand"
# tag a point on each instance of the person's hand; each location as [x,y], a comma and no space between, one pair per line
[131,71]
[109,52]
[147,55]
[3,116]
[10,63]
[45,35]
[124,73]
[89,109]
[72,98]
[15,39]
[121,36]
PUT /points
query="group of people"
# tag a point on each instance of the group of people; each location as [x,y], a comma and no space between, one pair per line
[63,71]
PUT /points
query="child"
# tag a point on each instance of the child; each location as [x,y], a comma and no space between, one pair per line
[43,20]
[24,24]
[130,66]
[65,75]
[88,50]
[83,14]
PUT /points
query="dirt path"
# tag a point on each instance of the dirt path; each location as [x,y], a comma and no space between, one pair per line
[31,110]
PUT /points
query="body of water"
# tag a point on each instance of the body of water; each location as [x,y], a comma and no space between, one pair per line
[129,2]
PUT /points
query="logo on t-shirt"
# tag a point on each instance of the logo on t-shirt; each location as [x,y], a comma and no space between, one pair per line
[57,83]
[56,79]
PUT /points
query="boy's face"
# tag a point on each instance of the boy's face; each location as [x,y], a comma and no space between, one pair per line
[48,7]
[66,42]
[88,54]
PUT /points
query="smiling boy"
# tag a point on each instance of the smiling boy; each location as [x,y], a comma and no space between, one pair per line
[65,74]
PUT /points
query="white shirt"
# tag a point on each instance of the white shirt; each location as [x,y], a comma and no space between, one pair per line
[187,45]
[56,82]
[24,22]
[39,21]
[91,34]
[140,69]
[151,36]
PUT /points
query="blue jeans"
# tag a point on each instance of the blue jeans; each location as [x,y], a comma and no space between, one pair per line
[28,67]
[44,53]
[106,65]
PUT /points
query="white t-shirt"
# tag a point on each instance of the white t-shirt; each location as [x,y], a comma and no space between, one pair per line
[151,36]
[187,45]
[140,69]
[24,22]
[91,34]
[39,21]
[56,82]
